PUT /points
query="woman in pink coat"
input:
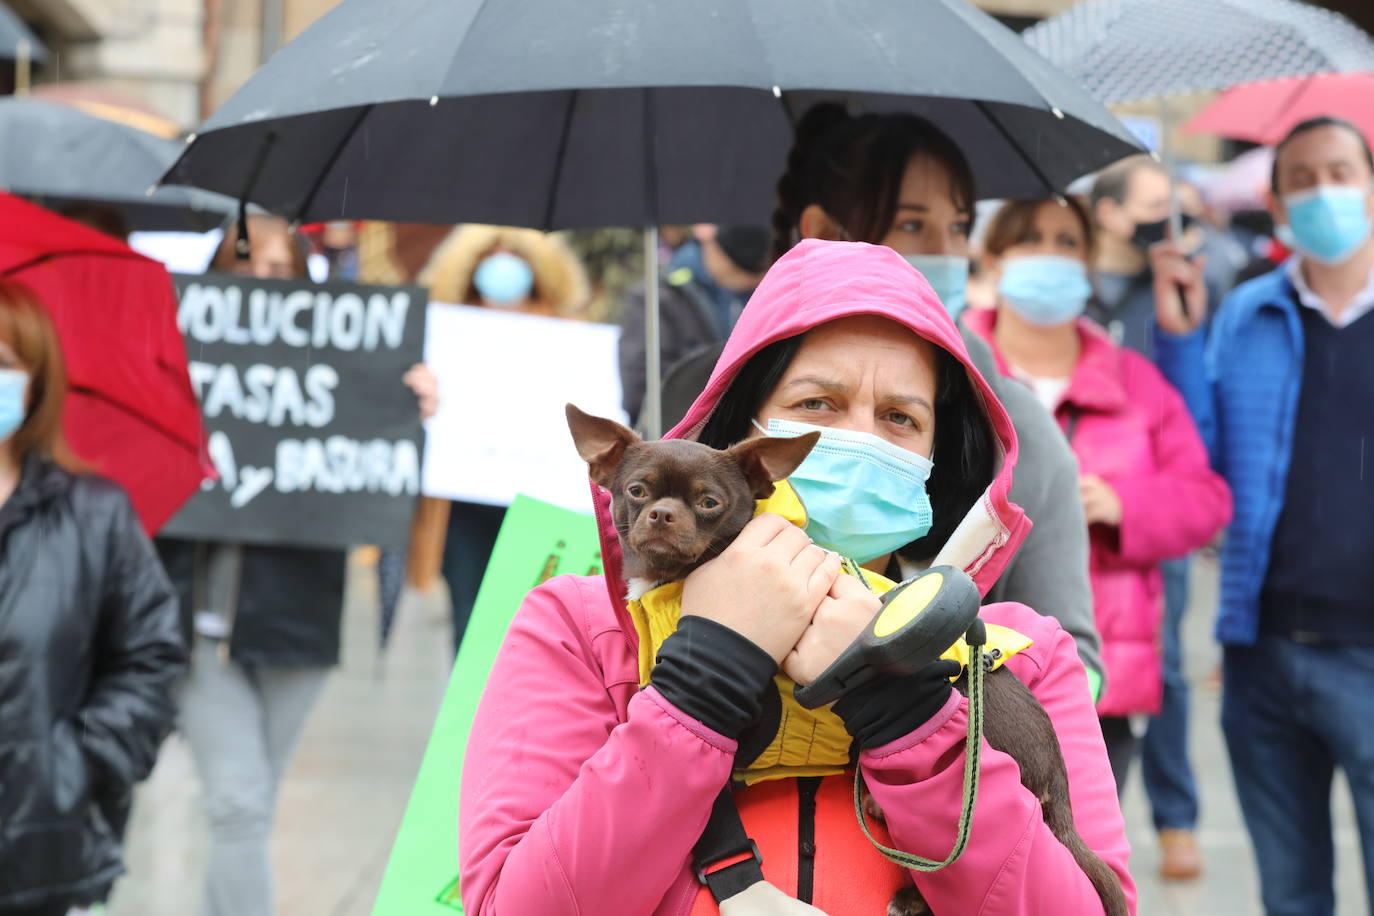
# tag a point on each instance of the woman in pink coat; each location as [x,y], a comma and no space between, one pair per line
[585,793]
[1148,491]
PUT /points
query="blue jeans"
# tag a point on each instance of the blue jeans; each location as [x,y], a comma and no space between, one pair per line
[1292,713]
[1164,758]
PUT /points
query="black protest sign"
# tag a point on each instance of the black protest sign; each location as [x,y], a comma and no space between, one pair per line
[316,440]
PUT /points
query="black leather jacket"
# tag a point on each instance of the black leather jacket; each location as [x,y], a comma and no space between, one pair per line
[89,648]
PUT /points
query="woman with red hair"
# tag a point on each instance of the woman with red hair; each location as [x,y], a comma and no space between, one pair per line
[89,640]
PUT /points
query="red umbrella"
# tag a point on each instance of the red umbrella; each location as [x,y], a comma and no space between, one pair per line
[1264,112]
[130,410]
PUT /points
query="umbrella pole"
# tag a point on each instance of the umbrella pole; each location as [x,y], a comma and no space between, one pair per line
[653,380]
[23,61]
[1166,149]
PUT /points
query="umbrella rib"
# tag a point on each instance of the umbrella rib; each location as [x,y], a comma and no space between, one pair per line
[558,160]
[1006,135]
[333,158]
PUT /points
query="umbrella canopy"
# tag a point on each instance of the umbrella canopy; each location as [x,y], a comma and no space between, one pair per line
[1126,50]
[1264,112]
[61,154]
[622,112]
[130,411]
[13,32]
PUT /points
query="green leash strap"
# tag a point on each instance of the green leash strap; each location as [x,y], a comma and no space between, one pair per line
[973,746]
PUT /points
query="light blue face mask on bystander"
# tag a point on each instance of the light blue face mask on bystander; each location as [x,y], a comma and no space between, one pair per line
[1045,289]
[864,497]
[1327,222]
[14,385]
[947,275]
[503,279]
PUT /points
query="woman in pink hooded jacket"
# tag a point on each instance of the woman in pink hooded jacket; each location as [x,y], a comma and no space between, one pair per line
[1148,491]
[584,792]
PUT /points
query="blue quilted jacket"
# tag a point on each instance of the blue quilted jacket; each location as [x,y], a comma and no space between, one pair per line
[1240,379]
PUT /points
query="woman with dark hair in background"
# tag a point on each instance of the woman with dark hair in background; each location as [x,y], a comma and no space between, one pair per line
[89,640]
[897,180]
[1147,489]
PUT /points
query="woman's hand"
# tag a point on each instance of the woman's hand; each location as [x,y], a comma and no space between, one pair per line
[842,615]
[421,380]
[765,586]
[1173,275]
[1101,505]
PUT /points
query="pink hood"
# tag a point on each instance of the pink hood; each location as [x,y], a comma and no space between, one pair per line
[817,282]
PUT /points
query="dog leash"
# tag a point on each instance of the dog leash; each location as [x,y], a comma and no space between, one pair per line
[973,744]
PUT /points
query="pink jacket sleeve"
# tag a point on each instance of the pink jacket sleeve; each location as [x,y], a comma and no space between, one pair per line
[559,799]
[1013,865]
[1181,504]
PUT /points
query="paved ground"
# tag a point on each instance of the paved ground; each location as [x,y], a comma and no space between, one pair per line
[348,786]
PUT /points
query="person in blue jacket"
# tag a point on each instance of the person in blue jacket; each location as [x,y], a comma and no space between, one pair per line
[1282,386]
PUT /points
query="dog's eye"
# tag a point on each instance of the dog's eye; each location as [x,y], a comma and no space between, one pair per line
[708,502]
[636,491]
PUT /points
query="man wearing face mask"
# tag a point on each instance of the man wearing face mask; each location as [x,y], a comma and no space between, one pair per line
[1280,385]
[1130,204]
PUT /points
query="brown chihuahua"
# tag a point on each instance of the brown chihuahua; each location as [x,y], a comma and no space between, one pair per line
[678,503]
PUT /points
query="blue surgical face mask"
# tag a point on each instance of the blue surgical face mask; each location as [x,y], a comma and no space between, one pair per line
[1328,222]
[947,275]
[503,279]
[14,384]
[1045,289]
[864,497]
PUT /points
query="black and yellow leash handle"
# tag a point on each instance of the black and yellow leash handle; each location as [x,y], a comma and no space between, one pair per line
[919,619]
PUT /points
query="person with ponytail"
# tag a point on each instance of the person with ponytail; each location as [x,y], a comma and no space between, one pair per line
[897,180]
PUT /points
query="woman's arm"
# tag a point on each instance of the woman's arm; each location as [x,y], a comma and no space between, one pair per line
[139,647]
[1181,504]
[1013,864]
[565,808]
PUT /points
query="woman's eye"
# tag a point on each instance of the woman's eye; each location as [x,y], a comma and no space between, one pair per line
[900,419]
[708,502]
[911,225]
[636,491]
[812,404]
[962,228]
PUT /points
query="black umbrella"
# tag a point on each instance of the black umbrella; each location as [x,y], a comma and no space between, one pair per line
[16,41]
[552,114]
[58,155]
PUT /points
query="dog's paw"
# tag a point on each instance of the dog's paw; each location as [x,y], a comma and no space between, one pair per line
[908,902]
[872,808]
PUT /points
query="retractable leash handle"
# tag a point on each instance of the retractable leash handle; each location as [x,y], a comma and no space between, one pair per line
[920,618]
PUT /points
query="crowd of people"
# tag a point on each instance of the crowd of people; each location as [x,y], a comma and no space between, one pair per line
[1067,401]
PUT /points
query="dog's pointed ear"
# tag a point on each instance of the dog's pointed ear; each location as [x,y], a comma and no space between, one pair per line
[600,442]
[765,459]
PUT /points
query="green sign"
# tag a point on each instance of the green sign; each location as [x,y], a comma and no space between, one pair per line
[537,541]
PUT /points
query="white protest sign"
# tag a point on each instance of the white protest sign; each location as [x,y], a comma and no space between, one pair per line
[503,380]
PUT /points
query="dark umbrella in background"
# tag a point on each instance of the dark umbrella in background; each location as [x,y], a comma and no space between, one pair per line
[60,155]
[130,410]
[553,115]
[1128,50]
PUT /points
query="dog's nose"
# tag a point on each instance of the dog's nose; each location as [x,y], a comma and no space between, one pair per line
[661,515]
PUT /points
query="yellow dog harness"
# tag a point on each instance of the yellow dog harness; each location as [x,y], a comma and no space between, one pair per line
[808,742]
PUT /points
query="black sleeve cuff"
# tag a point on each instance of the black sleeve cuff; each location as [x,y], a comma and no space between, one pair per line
[712,674]
[890,707]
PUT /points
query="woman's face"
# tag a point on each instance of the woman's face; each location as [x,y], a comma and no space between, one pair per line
[863,373]
[270,255]
[928,221]
[1053,230]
